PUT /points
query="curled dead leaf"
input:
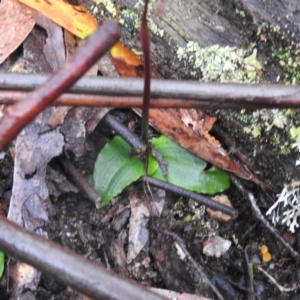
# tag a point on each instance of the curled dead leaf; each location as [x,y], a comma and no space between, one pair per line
[218,215]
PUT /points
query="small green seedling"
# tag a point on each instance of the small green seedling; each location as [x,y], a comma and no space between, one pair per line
[116,168]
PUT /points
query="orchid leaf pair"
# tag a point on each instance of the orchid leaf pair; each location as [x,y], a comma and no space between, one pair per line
[116,168]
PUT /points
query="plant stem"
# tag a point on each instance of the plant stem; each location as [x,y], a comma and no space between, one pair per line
[145,37]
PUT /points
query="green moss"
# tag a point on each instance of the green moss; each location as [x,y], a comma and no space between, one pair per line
[295,133]
[135,18]
[290,64]
[240,12]
[241,116]
[285,148]
[132,15]
[109,7]
[275,140]
[253,130]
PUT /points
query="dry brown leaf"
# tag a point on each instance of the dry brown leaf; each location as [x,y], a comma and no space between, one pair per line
[138,235]
[16,23]
[54,49]
[218,215]
[169,122]
[33,151]
[34,60]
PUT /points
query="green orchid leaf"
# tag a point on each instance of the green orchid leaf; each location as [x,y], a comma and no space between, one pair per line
[115,169]
[187,170]
[2,263]
[152,165]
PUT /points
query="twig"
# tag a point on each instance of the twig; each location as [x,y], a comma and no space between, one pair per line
[10,97]
[226,140]
[275,282]
[25,111]
[204,200]
[248,276]
[138,145]
[68,267]
[197,267]
[79,180]
[213,95]
[258,215]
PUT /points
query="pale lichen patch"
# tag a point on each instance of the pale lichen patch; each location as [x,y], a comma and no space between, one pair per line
[135,18]
[287,208]
[224,64]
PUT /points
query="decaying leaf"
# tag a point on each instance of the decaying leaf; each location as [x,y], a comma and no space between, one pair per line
[138,235]
[77,20]
[218,215]
[74,18]
[34,59]
[33,153]
[16,23]
[22,277]
[54,49]
[34,149]
[170,123]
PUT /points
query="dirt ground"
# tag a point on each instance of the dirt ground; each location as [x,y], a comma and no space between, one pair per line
[102,235]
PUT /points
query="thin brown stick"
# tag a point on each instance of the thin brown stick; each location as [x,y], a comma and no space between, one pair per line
[9,97]
[79,180]
[83,59]
[68,267]
[212,95]
[197,267]
[281,288]
[258,215]
[199,198]
[248,276]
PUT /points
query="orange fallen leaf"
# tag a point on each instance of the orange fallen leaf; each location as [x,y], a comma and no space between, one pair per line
[78,20]
[119,51]
[74,18]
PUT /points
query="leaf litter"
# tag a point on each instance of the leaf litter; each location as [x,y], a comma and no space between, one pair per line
[38,144]
[16,23]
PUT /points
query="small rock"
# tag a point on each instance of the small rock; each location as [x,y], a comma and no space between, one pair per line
[216,246]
